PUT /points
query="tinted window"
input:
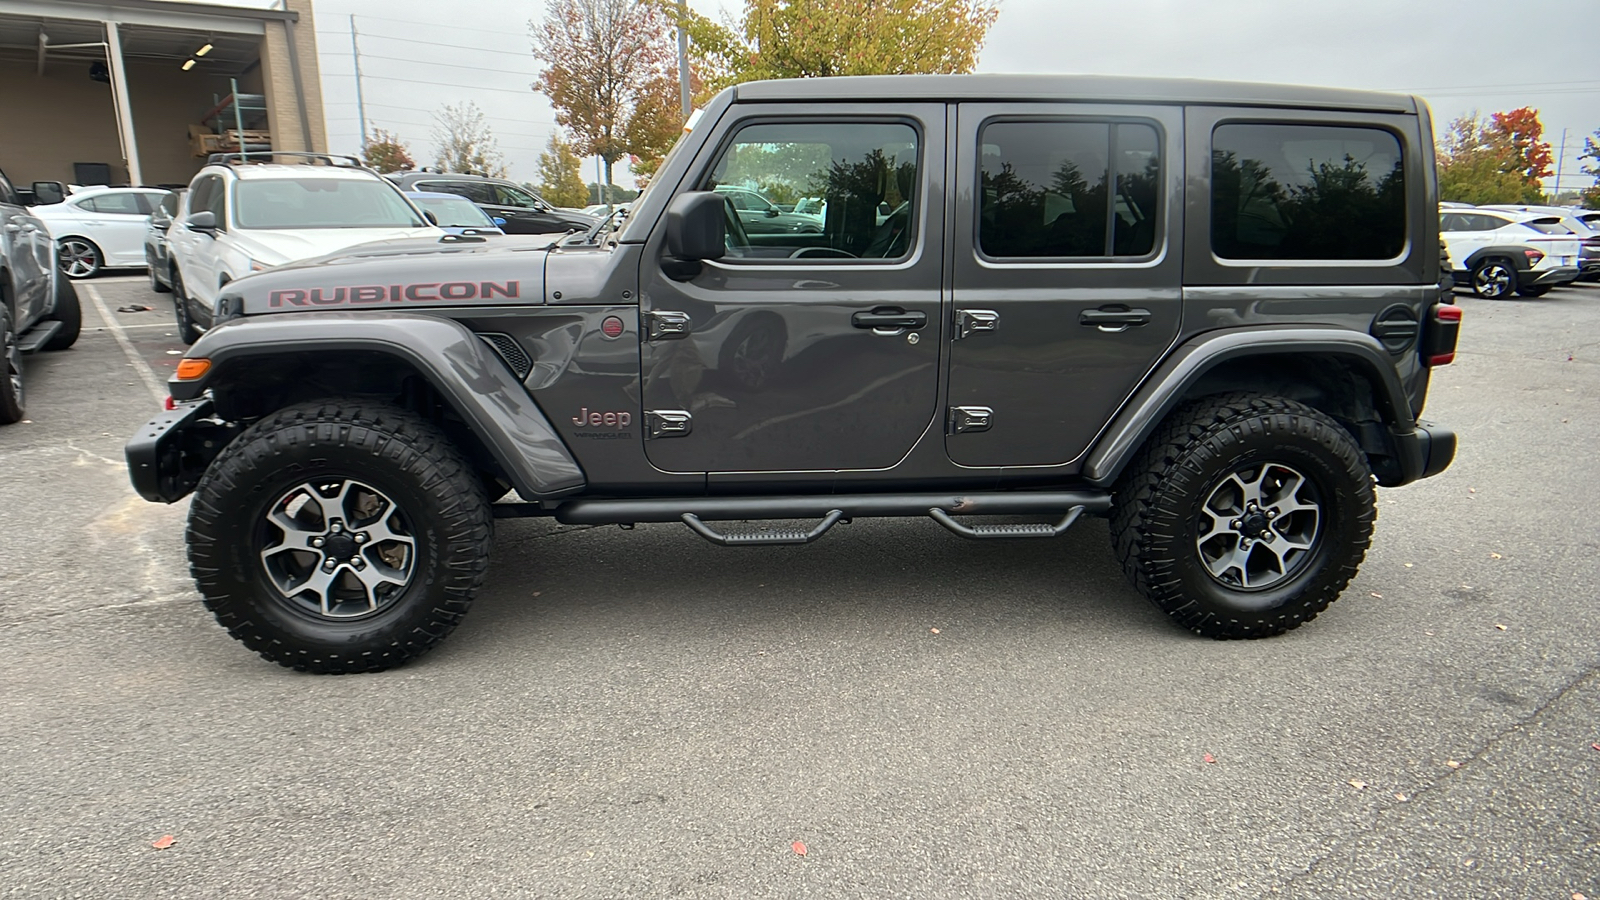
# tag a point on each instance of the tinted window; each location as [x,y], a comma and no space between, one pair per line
[200,196]
[866,173]
[1044,188]
[321,203]
[1306,192]
[115,204]
[453,212]
[476,191]
[1453,222]
[510,196]
[1548,226]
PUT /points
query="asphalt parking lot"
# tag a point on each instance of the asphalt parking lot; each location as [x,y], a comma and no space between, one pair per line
[642,714]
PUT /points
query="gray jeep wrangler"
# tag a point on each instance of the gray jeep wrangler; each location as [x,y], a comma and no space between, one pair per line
[1207,311]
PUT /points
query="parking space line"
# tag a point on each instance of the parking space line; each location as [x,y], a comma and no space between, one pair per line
[157,389]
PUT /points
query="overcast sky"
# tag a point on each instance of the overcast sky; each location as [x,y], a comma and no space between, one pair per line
[1460,55]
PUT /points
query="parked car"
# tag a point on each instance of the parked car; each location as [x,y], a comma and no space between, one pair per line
[38,306]
[600,210]
[1499,253]
[1217,333]
[759,215]
[101,228]
[157,253]
[524,211]
[243,217]
[1584,223]
[455,213]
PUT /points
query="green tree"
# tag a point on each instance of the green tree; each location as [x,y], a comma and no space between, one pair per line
[600,59]
[465,143]
[561,178]
[387,153]
[1478,164]
[815,38]
[1591,151]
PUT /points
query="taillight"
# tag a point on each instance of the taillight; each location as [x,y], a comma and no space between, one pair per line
[1439,342]
[1533,256]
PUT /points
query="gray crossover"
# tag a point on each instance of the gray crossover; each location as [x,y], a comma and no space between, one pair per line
[1206,311]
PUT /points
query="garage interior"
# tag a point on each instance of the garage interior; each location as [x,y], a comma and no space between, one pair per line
[137,92]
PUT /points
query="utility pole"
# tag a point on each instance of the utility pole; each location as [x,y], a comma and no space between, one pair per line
[1555,194]
[683,58]
[361,109]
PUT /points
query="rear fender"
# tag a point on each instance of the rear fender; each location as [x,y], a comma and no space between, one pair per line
[460,367]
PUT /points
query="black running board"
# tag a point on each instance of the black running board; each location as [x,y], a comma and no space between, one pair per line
[850,506]
[38,335]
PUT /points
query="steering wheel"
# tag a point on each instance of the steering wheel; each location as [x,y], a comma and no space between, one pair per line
[822,252]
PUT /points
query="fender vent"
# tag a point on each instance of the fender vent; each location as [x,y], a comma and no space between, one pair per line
[510,351]
[1396,328]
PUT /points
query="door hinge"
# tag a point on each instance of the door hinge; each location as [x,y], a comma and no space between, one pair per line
[666,325]
[668,423]
[968,419]
[971,321]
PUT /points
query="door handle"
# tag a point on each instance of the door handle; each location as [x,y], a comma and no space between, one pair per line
[1114,318]
[889,317]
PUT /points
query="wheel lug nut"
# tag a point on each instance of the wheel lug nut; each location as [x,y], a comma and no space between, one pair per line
[317,542]
[361,539]
[337,528]
[1234,525]
[329,565]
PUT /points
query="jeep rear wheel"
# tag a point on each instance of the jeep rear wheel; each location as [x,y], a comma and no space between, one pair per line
[1494,279]
[1245,515]
[337,537]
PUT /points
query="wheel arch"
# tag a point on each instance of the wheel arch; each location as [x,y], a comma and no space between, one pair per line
[1346,375]
[428,364]
[1518,259]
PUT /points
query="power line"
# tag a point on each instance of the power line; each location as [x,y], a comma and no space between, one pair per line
[450,46]
[527,92]
[429,62]
[434,24]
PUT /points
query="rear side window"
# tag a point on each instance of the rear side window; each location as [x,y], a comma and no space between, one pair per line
[115,204]
[476,191]
[1306,192]
[1044,189]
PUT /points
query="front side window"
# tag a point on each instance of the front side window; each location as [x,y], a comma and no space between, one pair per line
[510,196]
[1044,189]
[863,179]
[476,191]
[321,203]
[1306,192]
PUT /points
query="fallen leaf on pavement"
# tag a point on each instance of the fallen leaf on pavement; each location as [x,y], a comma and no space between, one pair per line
[1378,595]
[1358,785]
[1401,797]
[934,630]
[1209,758]
[1499,626]
[163,842]
[1472,490]
[1493,555]
[1452,764]
[799,847]
[1596,746]
[1409,565]
[1578,896]
[133,307]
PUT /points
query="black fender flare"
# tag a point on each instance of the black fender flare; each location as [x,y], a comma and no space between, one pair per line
[1185,366]
[1519,260]
[460,366]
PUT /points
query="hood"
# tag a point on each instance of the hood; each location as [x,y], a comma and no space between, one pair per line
[399,274]
[275,248]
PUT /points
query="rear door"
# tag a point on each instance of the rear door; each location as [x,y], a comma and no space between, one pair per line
[1067,273]
[804,352]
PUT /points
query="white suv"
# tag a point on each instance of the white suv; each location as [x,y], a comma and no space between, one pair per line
[243,217]
[1499,253]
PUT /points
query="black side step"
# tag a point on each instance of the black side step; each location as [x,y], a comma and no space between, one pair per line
[984,532]
[849,506]
[758,538]
[38,335]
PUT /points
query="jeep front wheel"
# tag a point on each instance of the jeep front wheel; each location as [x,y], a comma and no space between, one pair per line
[1245,515]
[336,537]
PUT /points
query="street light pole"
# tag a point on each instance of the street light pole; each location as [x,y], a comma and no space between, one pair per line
[361,109]
[683,58]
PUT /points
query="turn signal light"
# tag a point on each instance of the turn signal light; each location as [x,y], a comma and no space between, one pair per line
[1533,256]
[191,369]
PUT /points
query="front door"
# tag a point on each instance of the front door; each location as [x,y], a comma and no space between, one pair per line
[815,348]
[1067,273]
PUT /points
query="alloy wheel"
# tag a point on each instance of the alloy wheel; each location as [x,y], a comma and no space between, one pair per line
[337,548]
[1492,281]
[1259,526]
[79,259]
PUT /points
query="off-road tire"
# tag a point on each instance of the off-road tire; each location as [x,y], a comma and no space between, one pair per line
[393,450]
[155,283]
[1158,509]
[1494,279]
[187,332]
[11,396]
[69,312]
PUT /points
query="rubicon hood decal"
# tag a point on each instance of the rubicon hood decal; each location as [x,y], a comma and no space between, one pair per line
[394,293]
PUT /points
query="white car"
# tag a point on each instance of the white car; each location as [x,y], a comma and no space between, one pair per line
[245,217]
[1499,253]
[100,228]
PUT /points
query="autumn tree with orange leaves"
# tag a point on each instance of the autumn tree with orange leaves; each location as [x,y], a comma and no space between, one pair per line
[1498,160]
[603,60]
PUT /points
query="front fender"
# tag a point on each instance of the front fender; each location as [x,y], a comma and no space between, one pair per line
[458,364]
[1167,386]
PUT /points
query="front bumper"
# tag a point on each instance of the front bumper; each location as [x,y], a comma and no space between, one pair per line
[168,455]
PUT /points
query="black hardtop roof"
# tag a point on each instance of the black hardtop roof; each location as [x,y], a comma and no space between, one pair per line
[1086,88]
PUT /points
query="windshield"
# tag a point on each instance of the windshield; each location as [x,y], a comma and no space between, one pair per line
[321,203]
[455,212]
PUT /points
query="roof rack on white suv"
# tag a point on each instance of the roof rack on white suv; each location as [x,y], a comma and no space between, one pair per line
[297,157]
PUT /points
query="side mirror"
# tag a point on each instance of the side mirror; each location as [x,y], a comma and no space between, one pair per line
[204,222]
[772,212]
[48,192]
[432,219]
[499,221]
[696,228]
[884,209]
